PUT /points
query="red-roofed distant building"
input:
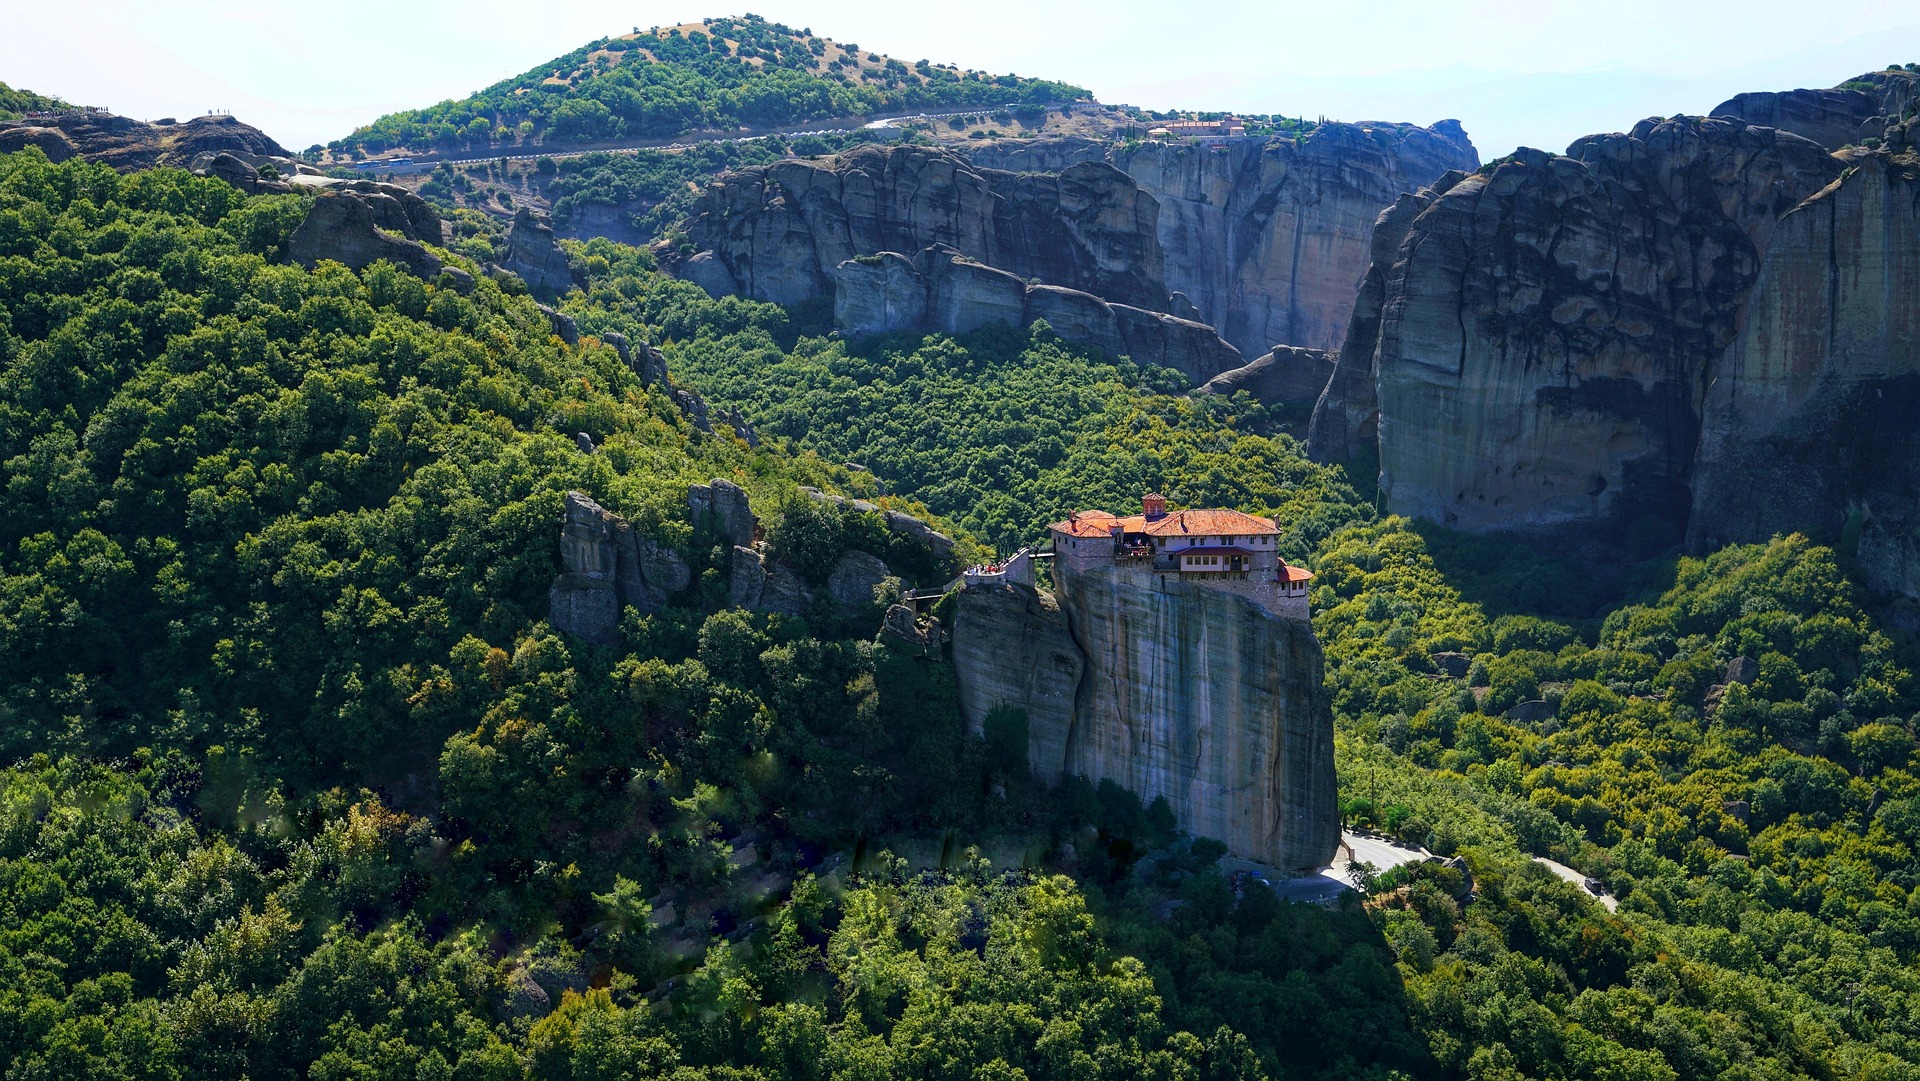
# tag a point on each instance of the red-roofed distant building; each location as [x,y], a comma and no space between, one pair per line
[1236,551]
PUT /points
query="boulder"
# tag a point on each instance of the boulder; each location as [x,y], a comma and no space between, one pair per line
[1452,665]
[764,585]
[1288,375]
[535,256]
[1742,670]
[722,510]
[1532,712]
[242,175]
[562,325]
[853,580]
[345,226]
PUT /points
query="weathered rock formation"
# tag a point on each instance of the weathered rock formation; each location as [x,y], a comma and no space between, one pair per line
[941,289]
[127,144]
[1702,324]
[535,256]
[1267,238]
[608,566]
[1847,115]
[53,142]
[1169,689]
[1289,375]
[777,232]
[361,222]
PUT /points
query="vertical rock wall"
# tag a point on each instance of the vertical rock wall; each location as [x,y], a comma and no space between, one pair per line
[1177,690]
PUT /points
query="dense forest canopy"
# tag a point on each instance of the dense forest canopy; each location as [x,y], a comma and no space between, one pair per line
[301,782]
[718,74]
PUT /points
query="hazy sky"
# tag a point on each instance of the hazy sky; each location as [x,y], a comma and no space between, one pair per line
[1513,71]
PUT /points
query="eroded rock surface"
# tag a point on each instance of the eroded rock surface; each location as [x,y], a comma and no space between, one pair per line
[361,222]
[608,566]
[535,256]
[1288,375]
[777,232]
[1267,239]
[1702,324]
[1171,690]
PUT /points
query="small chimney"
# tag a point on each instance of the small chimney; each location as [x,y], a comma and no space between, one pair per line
[1154,505]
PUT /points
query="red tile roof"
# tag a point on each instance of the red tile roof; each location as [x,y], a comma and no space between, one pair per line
[1177,523]
[1291,573]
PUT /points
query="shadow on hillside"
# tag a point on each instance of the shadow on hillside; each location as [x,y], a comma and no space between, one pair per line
[1507,575]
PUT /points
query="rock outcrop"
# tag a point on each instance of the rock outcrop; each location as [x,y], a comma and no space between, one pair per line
[1267,238]
[1847,115]
[127,144]
[361,222]
[1172,690]
[534,255]
[943,290]
[1289,375]
[52,142]
[608,566]
[777,232]
[722,511]
[1701,327]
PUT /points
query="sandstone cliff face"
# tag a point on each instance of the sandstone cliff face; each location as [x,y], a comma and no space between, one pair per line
[1545,333]
[1269,238]
[1289,375]
[127,144]
[533,254]
[608,565]
[777,232]
[1843,116]
[361,222]
[1702,322]
[1810,419]
[1177,691]
[943,290]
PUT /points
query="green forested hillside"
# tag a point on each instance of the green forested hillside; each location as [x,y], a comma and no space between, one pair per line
[301,784]
[720,73]
[14,102]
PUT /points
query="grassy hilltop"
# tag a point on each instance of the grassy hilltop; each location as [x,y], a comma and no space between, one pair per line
[716,74]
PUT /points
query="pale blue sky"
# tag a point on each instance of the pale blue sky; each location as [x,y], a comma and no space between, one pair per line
[1513,72]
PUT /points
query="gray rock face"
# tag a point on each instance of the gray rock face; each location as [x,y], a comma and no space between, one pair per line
[1842,116]
[1267,239]
[878,294]
[1170,690]
[535,256]
[777,232]
[608,566]
[722,511]
[959,295]
[361,223]
[1013,647]
[242,175]
[765,585]
[854,578]
[1545,332]
[1289,375]
[1701,323]
[127,144]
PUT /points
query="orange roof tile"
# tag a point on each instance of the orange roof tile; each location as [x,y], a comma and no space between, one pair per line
[1177,523]
[1201,523]
[1291,573]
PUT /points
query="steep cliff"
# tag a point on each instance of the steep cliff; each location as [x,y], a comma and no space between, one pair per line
[1267,238]
[1700,327]
[776,232]
[1177,691]
[1543,338]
